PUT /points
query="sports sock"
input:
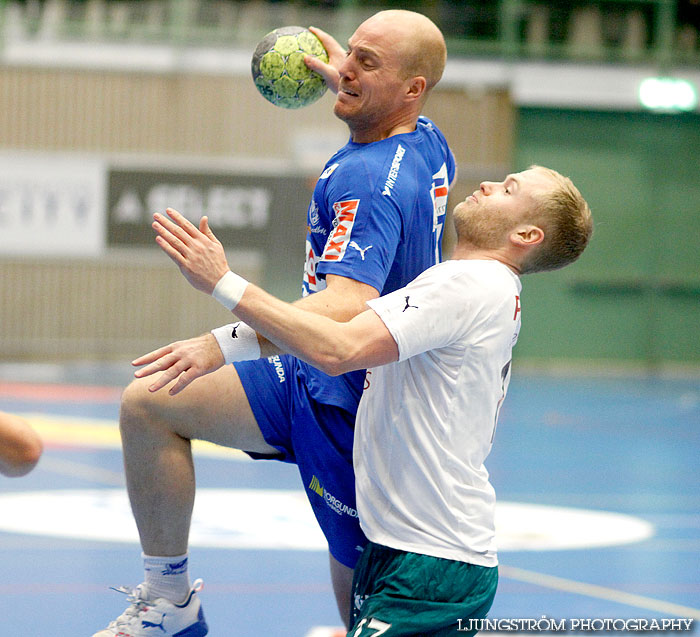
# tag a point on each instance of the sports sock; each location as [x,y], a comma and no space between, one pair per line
[167,577]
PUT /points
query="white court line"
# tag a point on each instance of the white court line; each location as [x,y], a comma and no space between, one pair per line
[600,592]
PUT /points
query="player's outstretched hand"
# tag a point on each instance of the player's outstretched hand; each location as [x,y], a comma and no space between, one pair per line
[184,360]
[196,251]
[336,55]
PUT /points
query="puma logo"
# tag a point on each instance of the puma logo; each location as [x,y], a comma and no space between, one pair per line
[409,305]
[353,244]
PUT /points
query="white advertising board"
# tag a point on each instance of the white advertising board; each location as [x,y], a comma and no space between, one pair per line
[52,205]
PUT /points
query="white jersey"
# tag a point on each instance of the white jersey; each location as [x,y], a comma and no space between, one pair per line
[426,422]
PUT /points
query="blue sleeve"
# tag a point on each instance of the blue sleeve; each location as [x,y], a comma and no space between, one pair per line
[363,243]
[385,206]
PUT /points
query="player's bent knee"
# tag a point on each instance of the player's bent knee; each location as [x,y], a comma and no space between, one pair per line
[138,406]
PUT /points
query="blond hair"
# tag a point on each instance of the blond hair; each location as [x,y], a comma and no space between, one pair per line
[565,217]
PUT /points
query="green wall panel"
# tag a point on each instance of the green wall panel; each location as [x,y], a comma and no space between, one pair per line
[635,293]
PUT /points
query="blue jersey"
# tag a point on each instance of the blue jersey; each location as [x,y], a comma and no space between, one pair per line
[377,217]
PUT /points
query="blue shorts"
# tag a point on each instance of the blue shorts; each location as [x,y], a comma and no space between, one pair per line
[314,436]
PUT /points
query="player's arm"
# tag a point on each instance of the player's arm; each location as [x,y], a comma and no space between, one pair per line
[333,347]
[187,360]
[341,300]
[205,263]
[202,261]
[306,329]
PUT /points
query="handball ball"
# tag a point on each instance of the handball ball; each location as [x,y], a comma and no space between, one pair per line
[279,71]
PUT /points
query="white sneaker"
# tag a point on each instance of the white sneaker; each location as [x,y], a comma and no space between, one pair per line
[147,618]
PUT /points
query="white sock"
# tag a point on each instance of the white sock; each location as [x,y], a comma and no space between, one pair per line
[167,577]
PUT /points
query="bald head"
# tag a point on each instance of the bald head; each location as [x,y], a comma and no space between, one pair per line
[418,40]
[393,60]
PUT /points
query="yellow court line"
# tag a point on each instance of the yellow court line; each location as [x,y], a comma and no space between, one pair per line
[69,431]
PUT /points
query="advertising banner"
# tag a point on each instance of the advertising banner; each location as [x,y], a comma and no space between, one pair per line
[51,205]
[263,213]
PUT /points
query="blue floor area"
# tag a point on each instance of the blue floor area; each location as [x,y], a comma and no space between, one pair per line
[623,445]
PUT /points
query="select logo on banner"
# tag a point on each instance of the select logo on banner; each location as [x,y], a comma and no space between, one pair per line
[253,214]
[226,206]
[51,205]
[245,211]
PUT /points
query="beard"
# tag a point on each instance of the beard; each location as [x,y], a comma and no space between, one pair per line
[479,227]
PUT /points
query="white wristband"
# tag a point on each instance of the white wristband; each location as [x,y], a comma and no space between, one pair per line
[238,342]
[229,290]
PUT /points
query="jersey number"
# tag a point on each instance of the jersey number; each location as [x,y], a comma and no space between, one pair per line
[379,628]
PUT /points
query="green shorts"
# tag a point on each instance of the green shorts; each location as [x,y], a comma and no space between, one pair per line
[399,594]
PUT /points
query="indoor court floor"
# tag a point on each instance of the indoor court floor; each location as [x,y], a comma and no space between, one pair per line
[598,480]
